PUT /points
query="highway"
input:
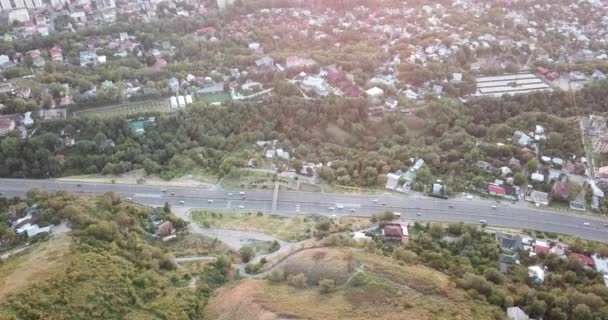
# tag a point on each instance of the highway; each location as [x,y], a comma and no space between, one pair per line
[293,202]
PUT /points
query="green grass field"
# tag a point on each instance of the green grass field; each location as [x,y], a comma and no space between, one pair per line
[215,97]
[127,109]
[294,228]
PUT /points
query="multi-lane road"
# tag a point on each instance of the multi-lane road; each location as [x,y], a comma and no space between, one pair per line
[291,202]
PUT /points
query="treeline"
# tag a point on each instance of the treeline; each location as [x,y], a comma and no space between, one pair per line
[362,150]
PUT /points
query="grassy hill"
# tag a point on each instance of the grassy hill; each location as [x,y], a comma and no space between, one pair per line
[107,268]
[367,286]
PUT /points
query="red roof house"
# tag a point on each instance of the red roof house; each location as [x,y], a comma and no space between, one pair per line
[395,232]
[584,259]
[539,249]
[496,190]
[543,70]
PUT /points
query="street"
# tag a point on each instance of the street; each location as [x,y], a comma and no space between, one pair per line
[294,202]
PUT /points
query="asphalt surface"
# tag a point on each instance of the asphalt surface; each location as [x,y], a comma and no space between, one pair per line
[292,202]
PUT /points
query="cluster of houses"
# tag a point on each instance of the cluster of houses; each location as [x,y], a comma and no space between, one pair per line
[272,150]
[24,222]
[595,134]
[514,245]
[402,181]
[24,122]
[554,179]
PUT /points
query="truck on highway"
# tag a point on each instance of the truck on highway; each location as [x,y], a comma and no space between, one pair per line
[397,215]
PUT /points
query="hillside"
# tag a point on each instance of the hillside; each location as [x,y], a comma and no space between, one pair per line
[107,268]
[366,286]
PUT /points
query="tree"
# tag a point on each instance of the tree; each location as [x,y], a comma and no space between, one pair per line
[246,253]
[582,312]
[167,207]
[299,280]
[532,165]
[277,275]
[327,285]
[519,179]
[297,165]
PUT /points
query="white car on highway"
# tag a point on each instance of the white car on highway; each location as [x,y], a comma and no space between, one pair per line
[586,224]
[241,193]
[210,200]
[182,202]
[494,207]
[340,206]
[375,201]
[241,207]
[330,208]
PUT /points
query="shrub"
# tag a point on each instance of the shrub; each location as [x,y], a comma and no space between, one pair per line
[277,275]
[327,285]
[275,246]
[246,253]
[299,280]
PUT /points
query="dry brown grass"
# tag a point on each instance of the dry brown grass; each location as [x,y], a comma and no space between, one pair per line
[381,289]
[34,265]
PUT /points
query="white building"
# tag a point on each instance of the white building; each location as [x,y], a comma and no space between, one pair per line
[223,4]
[316,85]
[22,15]
[536,274]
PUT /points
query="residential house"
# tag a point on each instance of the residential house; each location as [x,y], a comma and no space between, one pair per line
[159,63]
[52,114]
[173,84]
[522,138]
[538,197]
[164,229]
[27,119]
[599,143]
[294,62]
[391,104]
[396,233]
[496,190]
[210,86]
[6,125]
[360,236]
[485,166]
[265,65]
[509,243]
[537,177]
[37,59]
[598,75]
[601,266]
[56,54]
[315,85]
[515,313]
[586,260]
[88,58]
[561,190]
[375,95]
[536,275]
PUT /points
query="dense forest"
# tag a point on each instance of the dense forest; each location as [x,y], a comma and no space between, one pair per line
[115,270]
[446,133]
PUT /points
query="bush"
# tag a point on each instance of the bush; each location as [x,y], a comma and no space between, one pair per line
[277,275]
[246,253]
[299,280]
[323,225]
[327,285]
[275,246]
